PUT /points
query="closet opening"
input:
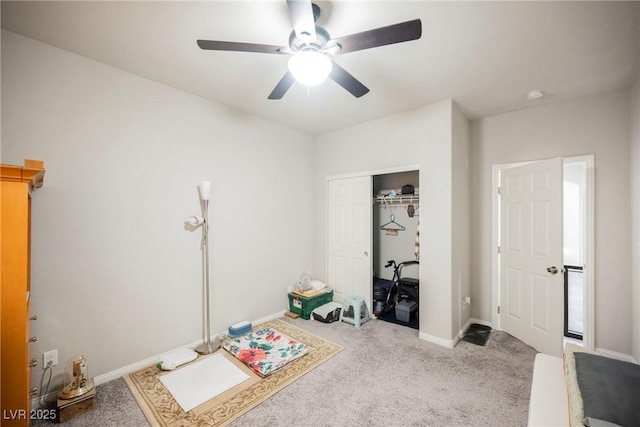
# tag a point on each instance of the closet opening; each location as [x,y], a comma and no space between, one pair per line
[396,248]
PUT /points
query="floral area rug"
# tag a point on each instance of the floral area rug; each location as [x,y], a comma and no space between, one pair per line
[162,410]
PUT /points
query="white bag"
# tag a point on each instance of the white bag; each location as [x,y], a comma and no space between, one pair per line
[330,312]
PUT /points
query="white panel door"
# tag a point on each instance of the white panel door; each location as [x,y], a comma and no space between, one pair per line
[349,237]
[531,259]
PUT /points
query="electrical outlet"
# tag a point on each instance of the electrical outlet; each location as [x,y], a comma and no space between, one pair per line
[50,357]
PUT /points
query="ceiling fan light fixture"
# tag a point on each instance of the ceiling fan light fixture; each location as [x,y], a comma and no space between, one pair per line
[310,67]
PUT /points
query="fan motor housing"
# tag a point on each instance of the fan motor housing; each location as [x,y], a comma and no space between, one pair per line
[322,37]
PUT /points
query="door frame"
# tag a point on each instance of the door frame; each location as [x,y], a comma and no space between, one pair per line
[371,174]
[588,340]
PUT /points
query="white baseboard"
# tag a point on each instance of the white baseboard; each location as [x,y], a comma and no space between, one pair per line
[615,355]
[452,342]
[273,316]
[117,373]
[437,340]
[603,351]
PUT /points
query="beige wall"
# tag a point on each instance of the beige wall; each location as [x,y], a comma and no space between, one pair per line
[419,137]
[635,215]
[596,125]
[115,275]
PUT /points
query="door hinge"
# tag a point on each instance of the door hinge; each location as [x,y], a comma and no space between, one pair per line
[498,309]
[499,190]
[498,249]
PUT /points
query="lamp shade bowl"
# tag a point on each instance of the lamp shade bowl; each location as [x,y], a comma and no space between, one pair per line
[205,190]
[310,67]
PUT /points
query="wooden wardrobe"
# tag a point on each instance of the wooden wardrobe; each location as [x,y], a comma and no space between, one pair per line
[16,362]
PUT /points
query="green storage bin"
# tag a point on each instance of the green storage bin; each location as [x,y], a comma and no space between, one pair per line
[303,306]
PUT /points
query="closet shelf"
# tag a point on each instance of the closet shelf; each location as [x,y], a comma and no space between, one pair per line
[403,199]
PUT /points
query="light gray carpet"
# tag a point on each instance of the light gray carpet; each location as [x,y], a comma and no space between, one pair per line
[385,376]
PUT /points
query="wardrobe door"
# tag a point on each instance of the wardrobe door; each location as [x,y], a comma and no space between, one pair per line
[15,290]
[15,303]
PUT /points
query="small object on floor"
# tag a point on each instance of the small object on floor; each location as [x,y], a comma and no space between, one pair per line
[381,288]
[477,334]
[76,380]
[172,360]
[291,314]
[327,313]
[404,309]
[71,408]
[240,328]
[354,311]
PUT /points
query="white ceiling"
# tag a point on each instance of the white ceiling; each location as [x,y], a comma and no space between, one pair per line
[484,55]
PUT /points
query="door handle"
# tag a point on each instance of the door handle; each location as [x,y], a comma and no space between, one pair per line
[553,269]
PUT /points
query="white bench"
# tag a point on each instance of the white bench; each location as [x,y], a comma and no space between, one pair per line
[548,405]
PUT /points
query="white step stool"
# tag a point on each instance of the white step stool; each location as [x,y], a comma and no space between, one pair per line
[354,311]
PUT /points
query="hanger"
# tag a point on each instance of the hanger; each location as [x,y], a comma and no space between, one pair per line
[397,227]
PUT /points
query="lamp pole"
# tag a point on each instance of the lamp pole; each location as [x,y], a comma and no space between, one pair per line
[206,347]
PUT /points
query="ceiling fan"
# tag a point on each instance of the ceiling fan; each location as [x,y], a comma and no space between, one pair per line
[311,48]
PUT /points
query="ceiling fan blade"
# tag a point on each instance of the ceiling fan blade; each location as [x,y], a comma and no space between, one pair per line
[283,86]
[302,18]
[240,47]
[397,33]
[347,81]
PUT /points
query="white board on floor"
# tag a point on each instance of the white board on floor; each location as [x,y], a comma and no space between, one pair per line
[194,384]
